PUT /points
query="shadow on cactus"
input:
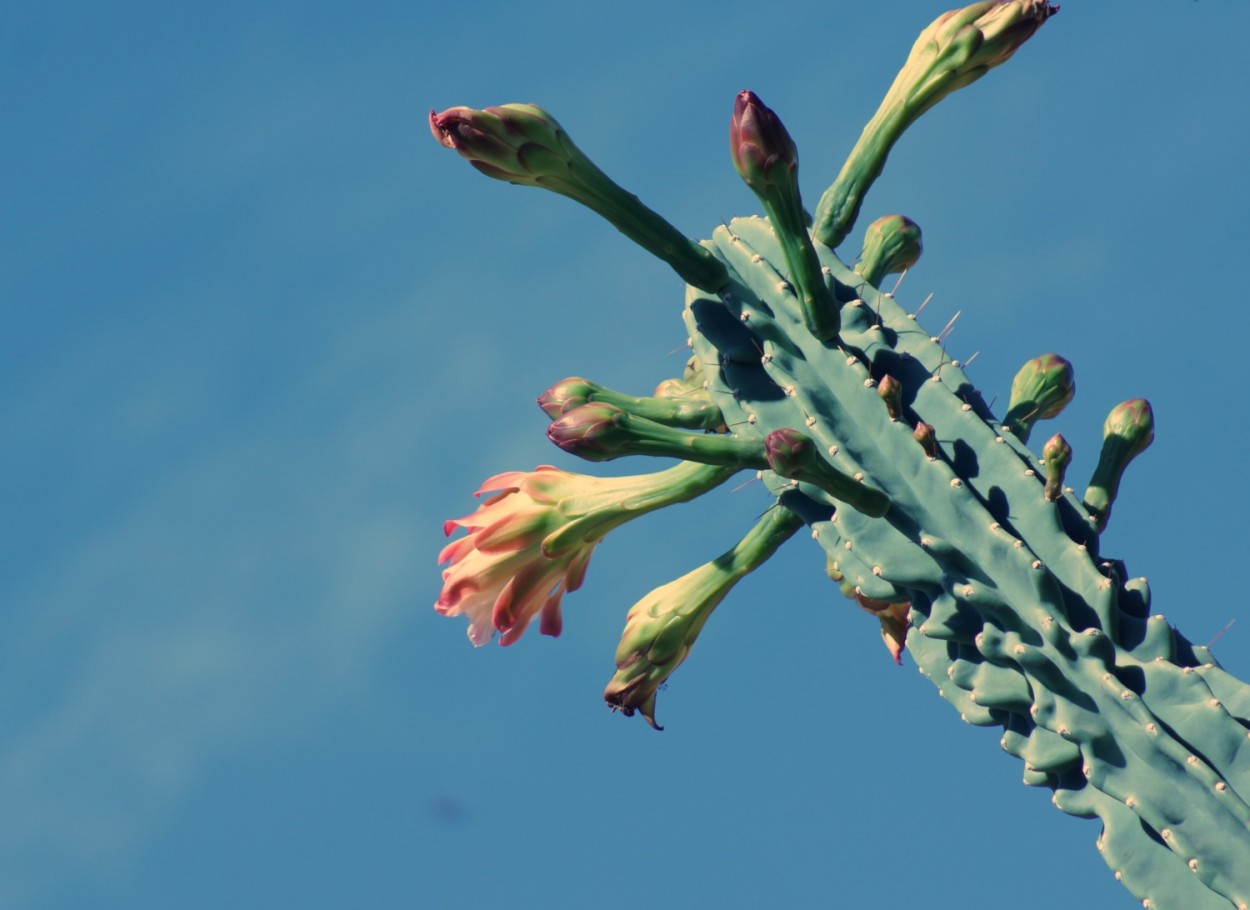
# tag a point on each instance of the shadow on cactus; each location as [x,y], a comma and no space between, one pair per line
[934,515]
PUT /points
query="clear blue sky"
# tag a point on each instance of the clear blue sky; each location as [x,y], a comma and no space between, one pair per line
[261,336]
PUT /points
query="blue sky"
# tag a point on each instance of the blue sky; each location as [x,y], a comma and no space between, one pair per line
[262,335]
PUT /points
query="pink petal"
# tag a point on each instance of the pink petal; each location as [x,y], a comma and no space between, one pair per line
[552,622]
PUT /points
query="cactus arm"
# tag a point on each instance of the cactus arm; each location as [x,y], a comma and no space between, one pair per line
[1019,622]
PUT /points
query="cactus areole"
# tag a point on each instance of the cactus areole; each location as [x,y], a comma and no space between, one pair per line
[986,569]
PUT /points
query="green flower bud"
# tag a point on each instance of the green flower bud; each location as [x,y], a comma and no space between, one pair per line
[1128,431]
[892,244]
[1041,390]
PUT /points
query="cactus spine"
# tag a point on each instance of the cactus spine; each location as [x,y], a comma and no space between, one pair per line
[933,513]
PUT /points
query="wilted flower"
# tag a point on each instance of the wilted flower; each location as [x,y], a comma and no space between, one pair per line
[661,628]
[659,632]
[895,619]
[531,541]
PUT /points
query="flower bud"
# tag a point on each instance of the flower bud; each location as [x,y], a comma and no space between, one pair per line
[892,244]
[566,395]
[600,431]
[1056,456]
[792,454]
[596,432]
[1041,390]
[927,437]
[1128,431]
[764,155]
[891,392]
[523,144]
[763,152]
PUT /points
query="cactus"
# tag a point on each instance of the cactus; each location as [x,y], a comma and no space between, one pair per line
[934,515]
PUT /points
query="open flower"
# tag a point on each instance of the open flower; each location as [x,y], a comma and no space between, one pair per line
[531,541]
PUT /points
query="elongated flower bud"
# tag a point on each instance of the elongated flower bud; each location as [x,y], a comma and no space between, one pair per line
[687,410]
[957,49]
[523,144]
[892,244]
[1056,456]
[601,432]
[792,454]
[763,152]
[662,627]
[1128,431]
[927,437]
[766,158]
[1042,388]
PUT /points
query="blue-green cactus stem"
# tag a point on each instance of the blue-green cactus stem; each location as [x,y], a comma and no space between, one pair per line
[602,432]
[957,49]
[1128,431]
[1056,456]
[892,244]
[1041,389]
[523,144]
[662,627]
[765,157]
[686,409]
[1021,606]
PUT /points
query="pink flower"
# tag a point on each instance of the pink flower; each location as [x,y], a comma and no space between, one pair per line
[531,541]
